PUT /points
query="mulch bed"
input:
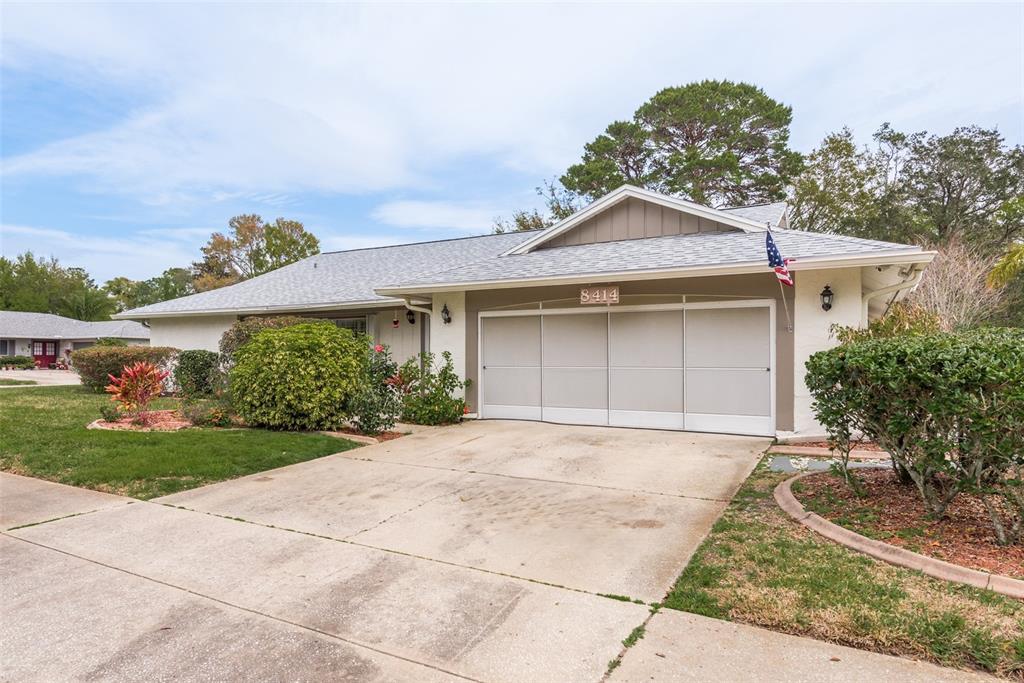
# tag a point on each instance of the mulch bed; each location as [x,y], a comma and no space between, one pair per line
[893,513]
[154,421]
[862,446]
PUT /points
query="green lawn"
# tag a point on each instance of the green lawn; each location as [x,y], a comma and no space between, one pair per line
[43,434]
[7,382]
[760,567]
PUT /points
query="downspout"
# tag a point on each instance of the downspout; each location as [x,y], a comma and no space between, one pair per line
[413,307]
[910,282]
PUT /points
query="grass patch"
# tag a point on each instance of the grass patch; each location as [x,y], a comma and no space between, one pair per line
[7,382]
[758,566]
[43,434]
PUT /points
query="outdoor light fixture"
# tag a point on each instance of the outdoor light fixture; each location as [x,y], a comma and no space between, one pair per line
[446,315]
[411,317]
[826,298]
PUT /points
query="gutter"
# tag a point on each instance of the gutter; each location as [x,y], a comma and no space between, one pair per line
[911,281]
[419,309]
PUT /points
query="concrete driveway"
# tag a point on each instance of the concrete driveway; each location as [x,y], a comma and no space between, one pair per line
[482,552]
[42,378]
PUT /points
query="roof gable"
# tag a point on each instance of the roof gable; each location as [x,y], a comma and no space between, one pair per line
[633,213]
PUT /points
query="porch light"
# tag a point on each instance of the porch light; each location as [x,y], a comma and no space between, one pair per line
[826,298]
[446,315]
[411,317]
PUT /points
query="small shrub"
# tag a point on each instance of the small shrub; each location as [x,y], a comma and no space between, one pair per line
[902,320]
[206,413]
[298,377]
[429,392]
[137,385]
[20,362]
[948,407]
[196,373]
[242,331]
[377,405]
[109,412]
[96,364]
[111,341]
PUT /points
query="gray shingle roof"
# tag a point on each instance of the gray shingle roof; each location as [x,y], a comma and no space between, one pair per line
[655,253]
[47,326]
[762,213]
[340,277]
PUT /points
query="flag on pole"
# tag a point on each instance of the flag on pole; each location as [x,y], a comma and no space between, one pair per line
[776,261]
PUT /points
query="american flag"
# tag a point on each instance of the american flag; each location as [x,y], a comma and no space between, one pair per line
[776,261]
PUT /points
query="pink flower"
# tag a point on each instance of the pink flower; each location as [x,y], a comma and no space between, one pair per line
[378,348]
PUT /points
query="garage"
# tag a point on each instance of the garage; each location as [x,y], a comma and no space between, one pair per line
[702,366]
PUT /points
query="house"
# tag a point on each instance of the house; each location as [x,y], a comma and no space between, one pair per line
[46,337]
[640,310]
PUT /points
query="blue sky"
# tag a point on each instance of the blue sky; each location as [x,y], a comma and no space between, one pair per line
[130,132]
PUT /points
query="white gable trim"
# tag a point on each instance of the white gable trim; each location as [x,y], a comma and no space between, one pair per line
[625,192]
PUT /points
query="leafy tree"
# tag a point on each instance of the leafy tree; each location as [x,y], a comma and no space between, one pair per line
[714,142]
[560,203]
[251,248]
[44,286]
[171,284]
[1010,266]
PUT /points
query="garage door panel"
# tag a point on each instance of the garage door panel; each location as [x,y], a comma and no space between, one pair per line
[646,389]
[728,337]
[512,386]
[576,388]
[728,391]
[649,339]
[576,341]
[513,341]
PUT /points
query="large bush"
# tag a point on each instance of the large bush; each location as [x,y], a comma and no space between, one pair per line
[298,377]
[948,407]
[96,364]
[22,362]
[377,405]
[197,372]
[430,393]
[242,331]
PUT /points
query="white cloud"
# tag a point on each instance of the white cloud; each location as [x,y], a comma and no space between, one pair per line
[471,216]
[137,255]
[270,100]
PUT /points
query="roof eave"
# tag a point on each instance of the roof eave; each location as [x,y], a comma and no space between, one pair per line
[257,310]
[742,268]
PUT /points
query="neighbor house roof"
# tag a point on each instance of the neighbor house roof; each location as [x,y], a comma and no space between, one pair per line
[731,251]
[337,279]
[762,213]
[48,326]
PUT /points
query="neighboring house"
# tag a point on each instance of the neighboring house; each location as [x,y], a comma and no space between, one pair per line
[47,337]
[640,310]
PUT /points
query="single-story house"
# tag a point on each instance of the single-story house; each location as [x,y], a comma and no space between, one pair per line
[640,310]
[46,337]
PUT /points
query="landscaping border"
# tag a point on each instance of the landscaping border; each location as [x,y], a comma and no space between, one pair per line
[901,557]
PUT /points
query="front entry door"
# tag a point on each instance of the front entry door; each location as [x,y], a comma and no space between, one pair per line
[44,353]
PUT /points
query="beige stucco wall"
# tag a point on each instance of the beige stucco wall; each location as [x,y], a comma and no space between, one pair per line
[457,337]
[813,329]
[187,333]
[740,286]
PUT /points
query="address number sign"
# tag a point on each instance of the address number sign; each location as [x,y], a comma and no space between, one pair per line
[599,295]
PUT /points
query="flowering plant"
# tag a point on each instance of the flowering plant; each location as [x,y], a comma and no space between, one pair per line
[138,384]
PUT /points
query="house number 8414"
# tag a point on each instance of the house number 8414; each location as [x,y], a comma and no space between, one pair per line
[599,295]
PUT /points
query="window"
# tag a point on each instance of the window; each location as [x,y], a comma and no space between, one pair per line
[37,348]
[51,349]
[6,348]
[357,325]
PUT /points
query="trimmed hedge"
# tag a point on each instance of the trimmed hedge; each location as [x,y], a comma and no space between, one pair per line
[23,362]
[96,363]
[948,407]
[298,377]
[196,372]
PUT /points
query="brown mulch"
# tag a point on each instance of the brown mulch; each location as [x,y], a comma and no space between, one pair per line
[154,421]
[862,446]
[383,436]
[964,536]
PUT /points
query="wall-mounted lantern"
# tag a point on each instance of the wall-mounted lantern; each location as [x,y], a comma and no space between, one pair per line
[411,317]
[446,315]
[826,298]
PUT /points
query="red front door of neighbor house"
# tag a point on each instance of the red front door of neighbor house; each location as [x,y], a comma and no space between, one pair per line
[44,353]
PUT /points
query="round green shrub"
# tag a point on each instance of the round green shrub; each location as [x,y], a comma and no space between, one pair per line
[242,331]
[196,372]
[300,377]
[96,363]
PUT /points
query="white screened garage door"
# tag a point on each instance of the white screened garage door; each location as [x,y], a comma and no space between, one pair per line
[701,366]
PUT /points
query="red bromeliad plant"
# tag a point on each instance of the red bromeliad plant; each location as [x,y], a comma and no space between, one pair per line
[138,384]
